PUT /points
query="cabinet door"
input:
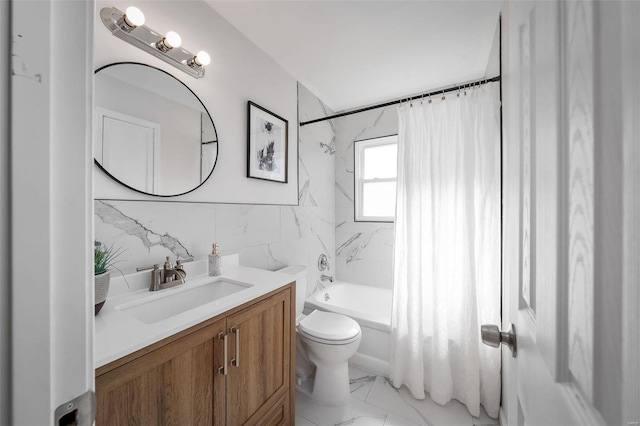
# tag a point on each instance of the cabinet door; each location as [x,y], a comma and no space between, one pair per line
[260,349]
[176,384]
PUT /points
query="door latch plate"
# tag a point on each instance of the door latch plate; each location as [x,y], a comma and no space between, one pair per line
[79,411]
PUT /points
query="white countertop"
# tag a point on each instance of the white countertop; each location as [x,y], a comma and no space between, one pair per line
[117,333]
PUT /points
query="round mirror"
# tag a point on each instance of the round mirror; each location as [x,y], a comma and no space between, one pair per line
[152,133]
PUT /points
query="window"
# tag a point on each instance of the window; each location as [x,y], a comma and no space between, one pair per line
[375,179]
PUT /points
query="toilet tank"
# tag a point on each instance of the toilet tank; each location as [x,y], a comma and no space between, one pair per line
[299,274]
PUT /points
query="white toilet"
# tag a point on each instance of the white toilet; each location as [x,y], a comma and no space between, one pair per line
[328,341]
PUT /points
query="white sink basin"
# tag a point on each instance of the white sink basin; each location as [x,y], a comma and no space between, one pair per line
[176,301]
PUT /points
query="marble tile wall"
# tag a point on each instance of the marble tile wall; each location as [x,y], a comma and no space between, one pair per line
[364,251]
[265,236]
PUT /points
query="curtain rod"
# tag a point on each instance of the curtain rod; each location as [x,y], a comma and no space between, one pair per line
[399,101]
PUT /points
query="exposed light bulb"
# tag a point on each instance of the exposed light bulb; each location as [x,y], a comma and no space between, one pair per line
[203,58]
[172,39]
[133,16]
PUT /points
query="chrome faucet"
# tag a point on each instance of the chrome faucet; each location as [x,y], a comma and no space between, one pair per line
[168,276]
[324,277]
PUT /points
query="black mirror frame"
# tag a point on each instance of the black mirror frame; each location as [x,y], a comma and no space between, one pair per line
[203,106]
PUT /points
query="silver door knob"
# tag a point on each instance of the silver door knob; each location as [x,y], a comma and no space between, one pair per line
[492,336]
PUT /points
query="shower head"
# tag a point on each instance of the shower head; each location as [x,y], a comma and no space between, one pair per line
[328,149]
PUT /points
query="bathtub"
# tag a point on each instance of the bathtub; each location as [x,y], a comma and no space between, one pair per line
[371,308]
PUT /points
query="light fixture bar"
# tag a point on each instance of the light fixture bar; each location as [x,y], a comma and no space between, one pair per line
[148,40]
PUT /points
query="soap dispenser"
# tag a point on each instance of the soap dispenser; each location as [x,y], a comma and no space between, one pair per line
[214,261]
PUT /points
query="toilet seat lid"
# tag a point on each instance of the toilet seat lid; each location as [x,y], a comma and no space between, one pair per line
[329,326]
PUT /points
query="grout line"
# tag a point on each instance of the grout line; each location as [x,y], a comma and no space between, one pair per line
[313,423]
[370,388]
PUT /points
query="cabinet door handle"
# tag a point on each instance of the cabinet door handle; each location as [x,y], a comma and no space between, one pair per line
[223,370]
[236,361]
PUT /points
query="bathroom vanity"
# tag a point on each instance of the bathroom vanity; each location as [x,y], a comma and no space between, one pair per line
[232,363]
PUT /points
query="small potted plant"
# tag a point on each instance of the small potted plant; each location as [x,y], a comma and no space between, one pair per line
[104,258]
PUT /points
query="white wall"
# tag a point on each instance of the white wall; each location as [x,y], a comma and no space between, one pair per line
[364,250]
[493,64]
[238,72]
[5,222]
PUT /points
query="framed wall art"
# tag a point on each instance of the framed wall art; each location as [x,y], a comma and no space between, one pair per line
[267,145]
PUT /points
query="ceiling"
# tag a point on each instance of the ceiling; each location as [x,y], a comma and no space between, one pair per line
[356,53]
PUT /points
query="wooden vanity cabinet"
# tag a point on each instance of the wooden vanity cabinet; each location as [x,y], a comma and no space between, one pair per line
[261,375]
[172,384]
[180,380]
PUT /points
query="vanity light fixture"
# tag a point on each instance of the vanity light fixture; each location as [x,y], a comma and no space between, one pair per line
[129,26]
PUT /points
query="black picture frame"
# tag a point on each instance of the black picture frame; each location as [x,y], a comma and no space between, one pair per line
[267,145]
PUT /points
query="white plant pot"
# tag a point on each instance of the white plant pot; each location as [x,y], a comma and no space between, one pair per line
[102,290]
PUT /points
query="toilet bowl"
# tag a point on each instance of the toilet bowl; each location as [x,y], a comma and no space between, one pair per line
[328,340]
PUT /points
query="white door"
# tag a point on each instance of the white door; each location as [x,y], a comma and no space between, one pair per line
[129,149]
[563,231]
[51,224]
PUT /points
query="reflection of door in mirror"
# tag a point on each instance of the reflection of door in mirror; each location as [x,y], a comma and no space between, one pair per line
[130,148]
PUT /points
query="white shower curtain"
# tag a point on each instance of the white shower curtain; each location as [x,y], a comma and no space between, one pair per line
[447,249]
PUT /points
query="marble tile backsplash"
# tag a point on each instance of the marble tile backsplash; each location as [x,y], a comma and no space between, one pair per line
[264,236]
[364,250]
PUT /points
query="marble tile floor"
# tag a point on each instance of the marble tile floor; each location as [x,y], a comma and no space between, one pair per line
[374,402]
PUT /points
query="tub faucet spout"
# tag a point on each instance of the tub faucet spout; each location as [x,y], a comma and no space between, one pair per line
[324,277]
